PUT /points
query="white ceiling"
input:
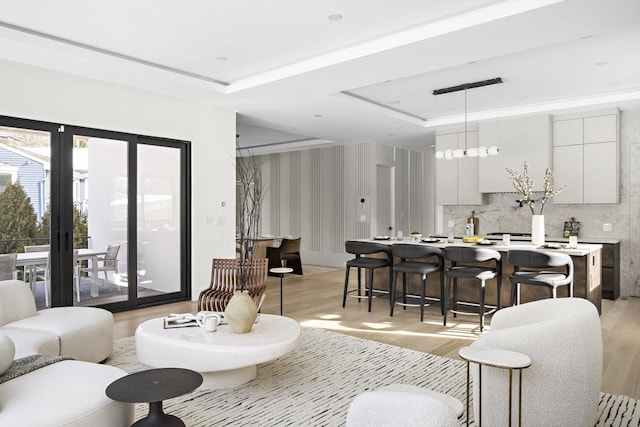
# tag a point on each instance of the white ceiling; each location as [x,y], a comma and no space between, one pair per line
[310,80]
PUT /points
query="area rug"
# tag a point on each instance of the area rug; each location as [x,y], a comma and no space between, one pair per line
[314,385]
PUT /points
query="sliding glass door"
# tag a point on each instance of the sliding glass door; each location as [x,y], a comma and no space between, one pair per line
[100,212]
[97,248]
[25,191]
[159,219]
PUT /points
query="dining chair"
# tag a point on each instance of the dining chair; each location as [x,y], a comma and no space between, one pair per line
[38,269]
[76,273]
[533,268]
[416,259]
[109,262]
[288,253]
[469,262]
[7,266]
[362,261]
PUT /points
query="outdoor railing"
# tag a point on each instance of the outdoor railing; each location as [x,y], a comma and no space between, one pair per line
[17,245]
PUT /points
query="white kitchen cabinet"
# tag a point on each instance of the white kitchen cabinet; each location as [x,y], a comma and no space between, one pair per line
[568,171]
[519,139]
[600,129]
[601,172]
[447,171]
[457,179]
[585,158]
[568,132]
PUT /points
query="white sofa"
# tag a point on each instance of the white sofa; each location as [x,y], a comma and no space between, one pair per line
[68,393]
[83,333]
[563,339]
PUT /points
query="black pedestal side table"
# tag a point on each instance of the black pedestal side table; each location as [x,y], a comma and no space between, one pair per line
[154,386]
[281,271]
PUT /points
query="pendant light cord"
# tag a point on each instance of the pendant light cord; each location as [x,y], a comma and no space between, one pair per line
[465,121]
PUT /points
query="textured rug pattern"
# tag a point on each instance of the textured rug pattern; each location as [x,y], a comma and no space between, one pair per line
[314,385]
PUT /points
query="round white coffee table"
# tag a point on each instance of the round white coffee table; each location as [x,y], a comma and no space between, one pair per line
[224,359]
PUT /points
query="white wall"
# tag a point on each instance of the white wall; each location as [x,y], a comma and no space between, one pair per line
[315,194]
[38,94]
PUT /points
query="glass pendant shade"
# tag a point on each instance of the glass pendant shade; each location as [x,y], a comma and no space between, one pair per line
[458,153]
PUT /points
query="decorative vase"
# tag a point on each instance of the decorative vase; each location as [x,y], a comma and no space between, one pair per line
[241,312]
[537,230]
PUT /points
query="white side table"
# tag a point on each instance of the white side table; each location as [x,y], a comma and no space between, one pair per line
[281,271]
[497,358]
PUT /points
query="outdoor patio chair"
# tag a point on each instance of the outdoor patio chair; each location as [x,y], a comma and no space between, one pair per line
[7,266]
[109,262]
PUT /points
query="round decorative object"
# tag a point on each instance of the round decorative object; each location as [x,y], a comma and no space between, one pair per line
[7,353]
[241,312]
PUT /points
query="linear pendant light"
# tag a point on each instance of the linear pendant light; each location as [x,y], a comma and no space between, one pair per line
[467,152]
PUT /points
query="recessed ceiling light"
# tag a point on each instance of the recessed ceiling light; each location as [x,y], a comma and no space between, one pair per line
[335,17]
[601,63]
[221,58]
[317,115]
[393,102]
[391,134]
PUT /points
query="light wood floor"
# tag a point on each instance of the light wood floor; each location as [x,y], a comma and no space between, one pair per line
[315,300]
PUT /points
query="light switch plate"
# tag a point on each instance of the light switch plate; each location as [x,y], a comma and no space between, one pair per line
[607,227]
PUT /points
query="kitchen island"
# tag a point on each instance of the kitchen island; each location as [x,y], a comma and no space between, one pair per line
[586,258]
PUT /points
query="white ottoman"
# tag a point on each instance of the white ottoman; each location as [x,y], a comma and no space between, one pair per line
[404,405]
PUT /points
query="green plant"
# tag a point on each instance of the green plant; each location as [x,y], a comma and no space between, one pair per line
[17,219]
[415,232]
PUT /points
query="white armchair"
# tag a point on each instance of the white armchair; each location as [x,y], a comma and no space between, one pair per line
[563,339]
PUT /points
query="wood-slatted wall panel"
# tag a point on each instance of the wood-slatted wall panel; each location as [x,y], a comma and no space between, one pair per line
[274,192]
[315,200]
[295,194]
[338,207]
[365,177]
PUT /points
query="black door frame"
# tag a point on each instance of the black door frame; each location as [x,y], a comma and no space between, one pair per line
[61,202]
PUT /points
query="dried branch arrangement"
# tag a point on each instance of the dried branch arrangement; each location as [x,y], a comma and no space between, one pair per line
[523,184]
[251,188]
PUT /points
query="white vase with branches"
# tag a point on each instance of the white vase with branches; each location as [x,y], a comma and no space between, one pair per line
[524,186]
[241,310]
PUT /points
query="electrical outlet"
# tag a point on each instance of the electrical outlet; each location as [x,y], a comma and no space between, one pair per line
[607,227]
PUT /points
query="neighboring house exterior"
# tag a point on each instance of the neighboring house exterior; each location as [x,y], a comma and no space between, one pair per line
[29,169]
[32,170]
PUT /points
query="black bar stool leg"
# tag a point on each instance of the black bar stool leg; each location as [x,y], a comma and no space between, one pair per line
[346,285]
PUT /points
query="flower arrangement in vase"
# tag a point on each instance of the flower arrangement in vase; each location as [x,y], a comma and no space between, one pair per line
[523,184]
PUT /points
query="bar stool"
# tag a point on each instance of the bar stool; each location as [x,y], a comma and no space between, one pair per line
[359,249]
[465,265]
[409,255]
[534,262]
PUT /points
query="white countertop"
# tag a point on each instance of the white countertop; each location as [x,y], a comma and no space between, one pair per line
[581,250]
